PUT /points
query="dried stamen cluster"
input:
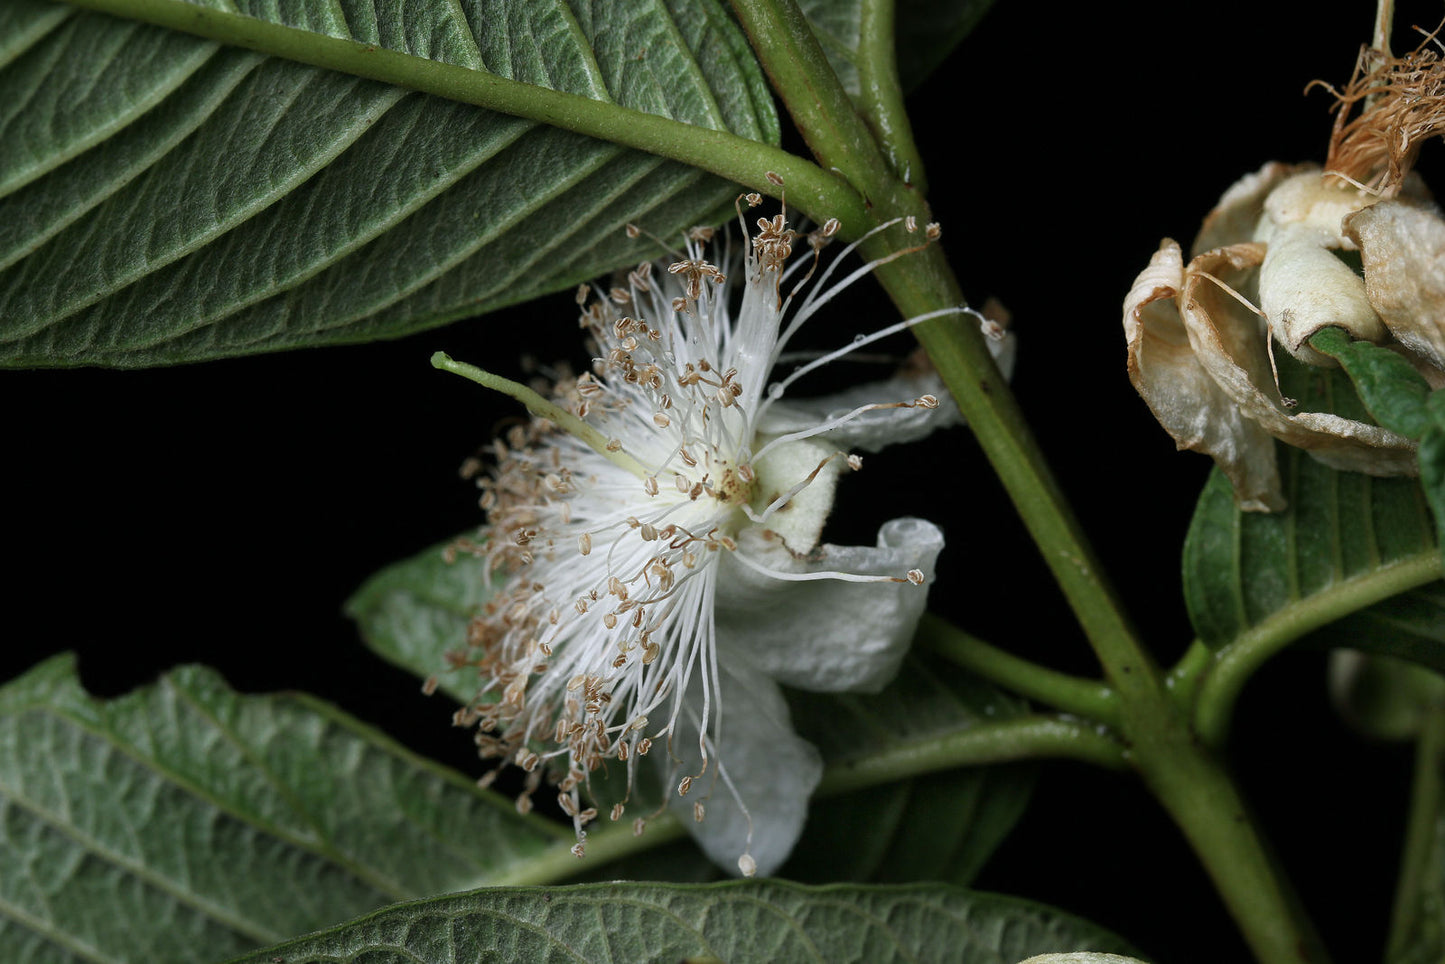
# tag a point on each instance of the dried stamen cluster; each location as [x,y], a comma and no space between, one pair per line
[1402,101]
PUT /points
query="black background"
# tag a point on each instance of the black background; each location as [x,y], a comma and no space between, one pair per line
[221,513]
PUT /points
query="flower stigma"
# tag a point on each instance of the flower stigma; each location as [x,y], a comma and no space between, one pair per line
[641,501]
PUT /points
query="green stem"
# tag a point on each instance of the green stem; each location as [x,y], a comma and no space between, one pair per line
[820,107]
[923,282]
[1237,662]
[1021,738]
[611,843]
[747,162]
[880,94]
[1091,699]
[1420,861]
[1201,798]
[1183,775]
[1184,679]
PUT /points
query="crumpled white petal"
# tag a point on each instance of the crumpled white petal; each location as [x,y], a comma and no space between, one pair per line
[827,635]
[767,767]
[1184,396]
[1402,247]
[873,430]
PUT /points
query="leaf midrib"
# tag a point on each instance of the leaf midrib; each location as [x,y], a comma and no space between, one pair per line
[746,161]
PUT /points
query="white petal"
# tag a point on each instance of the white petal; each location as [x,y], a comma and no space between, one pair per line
[1189,401]
[827,635]
[873,430]
[767,773]
[1237,214]
[800,522]
[1402,246]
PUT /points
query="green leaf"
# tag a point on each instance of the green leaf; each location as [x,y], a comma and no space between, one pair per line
[925,32]
[1408,626]
[1342,531]
[167,199]
[413,612]
[185,822]
[941,827]
[1393,392]
[1432,467]
[740,921]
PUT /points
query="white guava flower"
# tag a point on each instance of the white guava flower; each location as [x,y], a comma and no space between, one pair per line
[659,523]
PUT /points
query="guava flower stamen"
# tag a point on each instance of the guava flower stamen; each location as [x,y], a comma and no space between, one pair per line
[639,522]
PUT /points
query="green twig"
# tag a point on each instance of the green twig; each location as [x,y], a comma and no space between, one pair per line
[1090,699]
[1182,774]
[820,107]
[1201,798]
[1420,860]
[1022,738]
[1184,678]
[1031,737]
[880,95]
[612,842]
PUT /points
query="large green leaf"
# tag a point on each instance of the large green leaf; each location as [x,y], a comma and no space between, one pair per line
[185,822]
[938,827]
[736,922]
[1343,536]
[164,198]
[941,827]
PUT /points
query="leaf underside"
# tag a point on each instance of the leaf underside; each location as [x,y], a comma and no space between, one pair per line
[184,822]
[1241,568]
[740,921]
[166,199]
[940,827]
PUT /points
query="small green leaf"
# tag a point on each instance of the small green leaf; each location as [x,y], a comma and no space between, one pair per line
[164,198]
[185,822]
[1341,529]
[941,827]
[740,921]
[1391,389]
[415,611]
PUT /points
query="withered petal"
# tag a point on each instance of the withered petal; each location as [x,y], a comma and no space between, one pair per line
[1232,347]
[1402,248]
[1237,213]
[1189,400]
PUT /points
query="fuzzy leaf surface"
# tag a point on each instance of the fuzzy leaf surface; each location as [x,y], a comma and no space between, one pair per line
[186,822]
[941,827]
[1341,528]
[166,198]
[740,921]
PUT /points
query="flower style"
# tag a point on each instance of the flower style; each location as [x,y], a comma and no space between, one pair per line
[1201,353]
[658,521]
